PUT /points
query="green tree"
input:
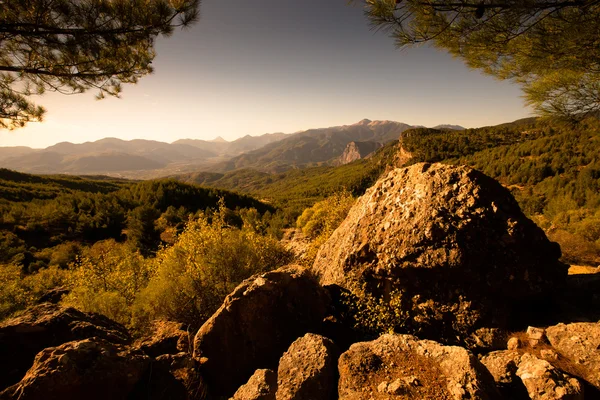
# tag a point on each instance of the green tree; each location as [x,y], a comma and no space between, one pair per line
[69,46]
[141,230]
[550,47]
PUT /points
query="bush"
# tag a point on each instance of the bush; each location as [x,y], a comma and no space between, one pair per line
[19,291]
[208,260]
[319,221]
[107,280]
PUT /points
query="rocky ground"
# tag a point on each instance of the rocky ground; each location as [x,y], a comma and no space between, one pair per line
[482,309]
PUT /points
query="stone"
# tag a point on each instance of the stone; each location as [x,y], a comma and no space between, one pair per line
[503,366]
[256,324]
[549,355]
[167,338]
[447,245]
[308,370]
[262,385]
[536,336]
[579,342]
[513,343]
[544,382]
[91,369]
[418,369]
[49,325]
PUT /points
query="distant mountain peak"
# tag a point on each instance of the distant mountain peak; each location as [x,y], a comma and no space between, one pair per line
[218,139]
[364,122]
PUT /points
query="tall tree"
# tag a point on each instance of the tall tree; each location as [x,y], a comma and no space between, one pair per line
[69,46]
[550,47]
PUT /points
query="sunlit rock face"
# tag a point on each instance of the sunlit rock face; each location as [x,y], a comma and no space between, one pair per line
[447,245]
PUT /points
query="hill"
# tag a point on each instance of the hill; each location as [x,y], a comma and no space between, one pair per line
[42,216]
[551,168]
[132,159]
[313,147]
[296,189]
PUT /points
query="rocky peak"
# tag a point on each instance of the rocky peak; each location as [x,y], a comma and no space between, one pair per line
[357,151]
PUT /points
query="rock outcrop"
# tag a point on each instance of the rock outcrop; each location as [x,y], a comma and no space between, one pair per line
[448,246]
[580,342]
[87,369]
[167,338]
[503,366]
[357,151]
[544,382]
[395,365]
[308,370]
[256,324]
[49,325]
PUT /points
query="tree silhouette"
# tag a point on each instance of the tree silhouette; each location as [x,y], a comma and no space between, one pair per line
[69,46]
[550,47]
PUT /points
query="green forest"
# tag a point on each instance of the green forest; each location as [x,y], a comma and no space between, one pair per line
[137,251]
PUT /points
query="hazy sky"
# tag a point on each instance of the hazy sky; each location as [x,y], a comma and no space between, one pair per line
[253,67]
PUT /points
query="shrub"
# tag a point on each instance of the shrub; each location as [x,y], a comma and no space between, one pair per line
[107,280]
[319,221]
[208,260]
[18,291]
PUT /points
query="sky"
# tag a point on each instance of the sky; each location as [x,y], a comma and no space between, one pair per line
[263,66]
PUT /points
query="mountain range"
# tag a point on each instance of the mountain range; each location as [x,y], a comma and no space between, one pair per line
[141,159]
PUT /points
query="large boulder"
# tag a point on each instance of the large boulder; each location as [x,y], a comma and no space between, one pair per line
[308,370]
[447,246]
[48,325]
[87,369]
[579,342]
[403,365]
[256,324]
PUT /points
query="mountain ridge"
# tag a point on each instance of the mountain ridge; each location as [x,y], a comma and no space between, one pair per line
[144,159]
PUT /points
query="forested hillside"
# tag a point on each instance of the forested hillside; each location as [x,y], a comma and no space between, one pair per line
[552,169]
[44,217]
[297,189]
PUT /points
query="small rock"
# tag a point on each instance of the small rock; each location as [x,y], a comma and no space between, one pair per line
[382,387]
[412,381]
[513,343]
[549,354]
[397,387]
[262,385]
[536,336]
